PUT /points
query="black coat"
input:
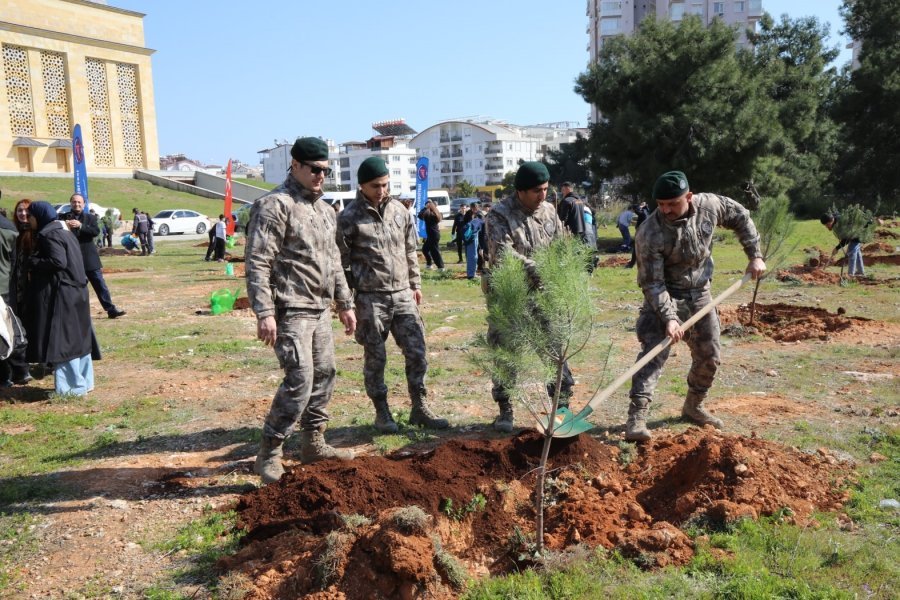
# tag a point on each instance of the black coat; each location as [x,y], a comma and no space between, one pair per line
[59,324]
[89,230]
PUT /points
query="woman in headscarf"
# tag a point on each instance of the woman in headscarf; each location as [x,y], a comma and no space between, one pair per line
[19,274]
[60,331]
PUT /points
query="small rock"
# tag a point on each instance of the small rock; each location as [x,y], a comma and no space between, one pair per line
[771,373]
[740,469]
[875,457]
[889,503]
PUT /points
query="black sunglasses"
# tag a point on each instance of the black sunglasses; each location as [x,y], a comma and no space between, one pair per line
[316,169]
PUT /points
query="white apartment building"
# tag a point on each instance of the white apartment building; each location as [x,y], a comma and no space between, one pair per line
[277,160]
[392,144]
[607,18]
[482,152]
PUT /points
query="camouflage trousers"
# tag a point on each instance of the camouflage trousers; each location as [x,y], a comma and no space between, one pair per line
[702,339]
[499,392]
[380,313]
[305,350]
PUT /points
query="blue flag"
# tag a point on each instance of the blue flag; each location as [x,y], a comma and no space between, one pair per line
[421,191]
[81,186]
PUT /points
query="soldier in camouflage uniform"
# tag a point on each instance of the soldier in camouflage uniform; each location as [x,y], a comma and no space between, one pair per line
[293,274]
[673,248]
[377,242]
[517,226]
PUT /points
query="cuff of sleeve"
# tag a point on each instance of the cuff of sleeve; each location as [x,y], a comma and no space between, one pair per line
[348,305]
[753,253]
[262,314]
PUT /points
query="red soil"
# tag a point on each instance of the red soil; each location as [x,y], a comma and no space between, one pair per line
[595,500]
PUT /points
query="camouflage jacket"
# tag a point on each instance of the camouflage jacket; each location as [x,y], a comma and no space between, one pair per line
[291,259]
[378,246]
[510,229]
[676,256]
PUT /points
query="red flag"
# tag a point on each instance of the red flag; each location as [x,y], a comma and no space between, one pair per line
[229,220]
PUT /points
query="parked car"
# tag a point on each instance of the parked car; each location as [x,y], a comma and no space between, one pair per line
[62,209]
[455,203]
[179,220]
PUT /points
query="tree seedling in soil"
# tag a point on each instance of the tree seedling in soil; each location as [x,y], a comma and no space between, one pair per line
[544,318]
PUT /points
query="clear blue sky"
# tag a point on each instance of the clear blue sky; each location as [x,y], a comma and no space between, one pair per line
[231,77]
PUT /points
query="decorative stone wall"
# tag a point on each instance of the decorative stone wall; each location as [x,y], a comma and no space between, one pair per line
[98,101]
[18,89]
[129,106]
[56,97]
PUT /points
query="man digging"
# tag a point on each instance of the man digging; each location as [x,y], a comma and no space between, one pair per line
[673,249]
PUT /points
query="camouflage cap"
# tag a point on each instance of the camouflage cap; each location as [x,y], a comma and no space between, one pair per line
[671,185]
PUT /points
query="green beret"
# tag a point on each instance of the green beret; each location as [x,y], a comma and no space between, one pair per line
[371,168]
[671,185]
[531,175]
[309,148]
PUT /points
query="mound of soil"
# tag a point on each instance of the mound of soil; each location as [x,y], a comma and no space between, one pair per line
[299,544]
[107,270]
[812,275]
[615,261]
[882,247]
[786,323]
[885,234]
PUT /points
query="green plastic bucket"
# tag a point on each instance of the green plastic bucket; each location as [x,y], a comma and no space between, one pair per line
[223,300]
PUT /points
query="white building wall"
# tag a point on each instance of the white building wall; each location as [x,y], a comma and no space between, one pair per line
[400,160]
[276,161]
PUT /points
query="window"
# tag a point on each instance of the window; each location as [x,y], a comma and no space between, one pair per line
[677,11]
[739,6]
[610,7]
[395,158]
[396,172]
[508,162]
[609,25]
[719,8]
[395,186]
[480,163]
[468,164]
[697,8]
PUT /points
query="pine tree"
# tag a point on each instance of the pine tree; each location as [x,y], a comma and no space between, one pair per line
[542,324]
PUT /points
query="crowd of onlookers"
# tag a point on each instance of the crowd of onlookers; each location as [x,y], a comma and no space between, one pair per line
[46,263]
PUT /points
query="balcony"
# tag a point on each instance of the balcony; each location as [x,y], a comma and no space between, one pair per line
[457,169]
[445,154]
[456,137]
[445,169]
[456,153]
[493,150]
[493,167]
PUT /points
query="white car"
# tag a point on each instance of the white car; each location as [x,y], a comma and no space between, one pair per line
[99,210]
[179,220]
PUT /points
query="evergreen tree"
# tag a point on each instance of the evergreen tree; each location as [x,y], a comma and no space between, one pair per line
[791,60]
[569,163]
[775,224]
[541,328]
[676,97]
[868,106]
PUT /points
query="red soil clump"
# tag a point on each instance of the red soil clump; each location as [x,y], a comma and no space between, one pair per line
[299,543]
[615,261]
[786,323]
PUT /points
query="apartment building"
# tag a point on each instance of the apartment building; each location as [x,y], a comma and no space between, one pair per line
[277,159]
[607,18]
[482,152]
[391,144]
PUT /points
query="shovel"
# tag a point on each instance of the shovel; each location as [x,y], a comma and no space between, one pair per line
[567,424]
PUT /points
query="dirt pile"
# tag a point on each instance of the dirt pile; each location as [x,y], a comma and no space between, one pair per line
[787,323]
[477,511]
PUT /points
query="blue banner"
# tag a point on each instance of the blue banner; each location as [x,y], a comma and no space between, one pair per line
[421,191]
[80,169]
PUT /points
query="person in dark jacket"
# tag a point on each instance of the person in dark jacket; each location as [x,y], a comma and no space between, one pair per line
[60,331]
[14,368]
[570,210]
[642,213]
[85,227]
[432,247]
[459,223]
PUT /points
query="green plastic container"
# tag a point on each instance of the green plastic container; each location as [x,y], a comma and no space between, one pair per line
[229,269]
[223,300]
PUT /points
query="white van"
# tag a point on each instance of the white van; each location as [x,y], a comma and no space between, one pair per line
[442,199]
[341,199]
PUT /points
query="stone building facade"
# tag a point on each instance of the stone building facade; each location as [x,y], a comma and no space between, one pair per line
[68,62]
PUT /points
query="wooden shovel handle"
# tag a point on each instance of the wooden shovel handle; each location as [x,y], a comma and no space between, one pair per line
[602,395]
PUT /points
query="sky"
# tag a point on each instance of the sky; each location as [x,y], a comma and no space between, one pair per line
[231,78]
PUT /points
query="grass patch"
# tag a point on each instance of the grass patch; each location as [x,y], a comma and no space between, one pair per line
[17,540]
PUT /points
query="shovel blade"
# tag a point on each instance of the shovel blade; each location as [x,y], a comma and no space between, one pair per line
[566,423]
